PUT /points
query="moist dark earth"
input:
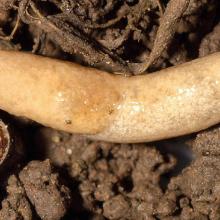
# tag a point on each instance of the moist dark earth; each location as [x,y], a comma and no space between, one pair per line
[54,175]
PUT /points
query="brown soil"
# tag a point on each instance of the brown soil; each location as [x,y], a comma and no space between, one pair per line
[53,175]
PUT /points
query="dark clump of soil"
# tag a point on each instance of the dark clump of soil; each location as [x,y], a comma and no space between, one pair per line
[39,187]
[98,180]
[56,175]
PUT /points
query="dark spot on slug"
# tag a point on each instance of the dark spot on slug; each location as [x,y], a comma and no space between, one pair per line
[110,111]
[68,122]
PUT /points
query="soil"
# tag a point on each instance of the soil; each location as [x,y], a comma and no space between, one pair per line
[54,175]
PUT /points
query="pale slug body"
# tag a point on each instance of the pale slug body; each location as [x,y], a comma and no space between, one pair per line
[69,97]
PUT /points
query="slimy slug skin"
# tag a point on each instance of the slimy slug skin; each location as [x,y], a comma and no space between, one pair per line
[169,103]
[69,97]
[55,93]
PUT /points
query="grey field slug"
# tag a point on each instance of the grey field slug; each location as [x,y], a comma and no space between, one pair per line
[103,106]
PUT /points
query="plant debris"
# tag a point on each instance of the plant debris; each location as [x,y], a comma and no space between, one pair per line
[168,25]
[71,29]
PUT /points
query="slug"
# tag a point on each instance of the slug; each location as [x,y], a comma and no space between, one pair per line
[69,97]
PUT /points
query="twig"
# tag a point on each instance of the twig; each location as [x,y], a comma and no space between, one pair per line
[11,36]
[166,30]
[161,7]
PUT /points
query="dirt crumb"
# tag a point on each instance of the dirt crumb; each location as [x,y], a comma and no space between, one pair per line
[207,142]
[16,205]
[211,42]
[109,175]
[197,189]
[115,208]
[6,4]
[43,189]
